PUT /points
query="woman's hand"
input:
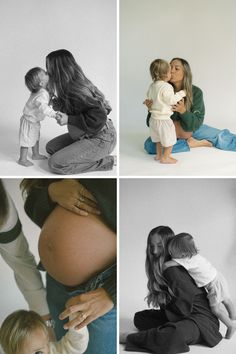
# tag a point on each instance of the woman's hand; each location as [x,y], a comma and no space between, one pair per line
[62,118]
[73,196]
[148,103]
[179,107]
[86,308]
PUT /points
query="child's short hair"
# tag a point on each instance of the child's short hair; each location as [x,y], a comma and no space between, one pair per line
[17,327]
[32,79]
[159,69]
[182,245]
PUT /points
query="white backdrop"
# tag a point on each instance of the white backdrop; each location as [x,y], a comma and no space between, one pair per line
[205,208]
[202,32]
[29,30]
[11,298]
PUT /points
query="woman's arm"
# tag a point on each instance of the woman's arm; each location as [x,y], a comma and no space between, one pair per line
[67,193]
[193,119]
[87,119]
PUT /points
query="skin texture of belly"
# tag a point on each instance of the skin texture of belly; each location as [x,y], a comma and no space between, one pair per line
[74,248]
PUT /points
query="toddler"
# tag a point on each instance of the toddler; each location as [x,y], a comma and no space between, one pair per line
[162,129]
[24,332]
[36,109]
[183,251]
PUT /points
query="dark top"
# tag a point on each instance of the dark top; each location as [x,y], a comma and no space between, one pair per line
[84,119]
[38,206]
[191,302]
[193,119]
[11,235]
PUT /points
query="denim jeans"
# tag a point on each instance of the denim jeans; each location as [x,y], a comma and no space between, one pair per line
[90,153]
[102,331]
[221,139]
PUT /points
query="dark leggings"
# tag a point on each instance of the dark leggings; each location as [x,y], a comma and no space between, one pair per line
[157,335]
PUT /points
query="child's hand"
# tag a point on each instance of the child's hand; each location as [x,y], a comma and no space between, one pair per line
[62,118]
[148,103]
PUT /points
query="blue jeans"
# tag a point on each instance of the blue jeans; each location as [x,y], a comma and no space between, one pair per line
[102,331]
[92,153]
[221,139]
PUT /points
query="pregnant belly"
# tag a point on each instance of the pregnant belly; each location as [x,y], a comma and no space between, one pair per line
[74,248]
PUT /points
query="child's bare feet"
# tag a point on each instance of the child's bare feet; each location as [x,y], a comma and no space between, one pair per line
[123,337]
[157,157]
[25,163]
[39,157]
[168,160]
[231,330]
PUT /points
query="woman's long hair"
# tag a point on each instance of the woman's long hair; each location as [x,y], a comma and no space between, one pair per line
[159,292]
[4,207]
[187,82]
[28,183]
[70,84]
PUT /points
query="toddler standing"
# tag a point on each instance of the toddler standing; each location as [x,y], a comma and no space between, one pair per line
[162,129]
[183,251]
[36,109]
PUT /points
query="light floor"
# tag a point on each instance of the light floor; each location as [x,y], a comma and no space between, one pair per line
[9,154]
[199,162]
[226,346]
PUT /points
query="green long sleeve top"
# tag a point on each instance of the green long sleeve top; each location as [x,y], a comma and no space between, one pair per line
[38,206]
[193,119]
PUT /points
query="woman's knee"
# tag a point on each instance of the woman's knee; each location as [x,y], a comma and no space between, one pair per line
[55,164]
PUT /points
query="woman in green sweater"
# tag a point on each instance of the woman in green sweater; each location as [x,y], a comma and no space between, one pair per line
[188,114]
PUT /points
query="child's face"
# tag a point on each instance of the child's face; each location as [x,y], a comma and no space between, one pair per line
[44,78]
[37,343]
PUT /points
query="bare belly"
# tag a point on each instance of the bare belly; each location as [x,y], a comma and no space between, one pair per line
[74,248]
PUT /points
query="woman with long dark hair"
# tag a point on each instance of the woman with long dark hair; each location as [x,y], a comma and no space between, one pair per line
[91,135]
[181,315]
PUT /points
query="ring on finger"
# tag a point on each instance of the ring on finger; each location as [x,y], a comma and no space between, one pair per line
[83,316]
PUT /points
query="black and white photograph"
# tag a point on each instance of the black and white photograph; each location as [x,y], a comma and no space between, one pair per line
[58,87]
[177,265]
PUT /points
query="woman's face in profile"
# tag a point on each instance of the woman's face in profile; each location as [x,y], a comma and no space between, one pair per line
[156,245]
[177,71]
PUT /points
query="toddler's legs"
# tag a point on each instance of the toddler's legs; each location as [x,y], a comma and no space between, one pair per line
[230,308]
[224,317]
[166,158]
[35,153]
[158,151]
[23,157]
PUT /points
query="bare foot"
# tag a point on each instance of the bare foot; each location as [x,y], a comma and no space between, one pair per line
[231,330]
[25,163]
[198,143]
[39,157]
[157,157]
[168,160]
[123,337]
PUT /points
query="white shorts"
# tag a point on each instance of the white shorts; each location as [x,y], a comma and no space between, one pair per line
[29,132]
[217,290]
[162,131]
